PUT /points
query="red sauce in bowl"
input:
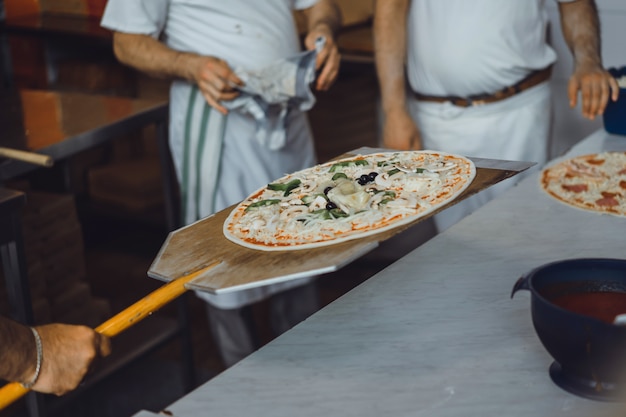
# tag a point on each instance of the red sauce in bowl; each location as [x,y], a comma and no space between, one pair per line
[600,305]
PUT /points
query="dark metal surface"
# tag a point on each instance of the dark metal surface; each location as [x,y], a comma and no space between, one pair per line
[83,132]
[12,255]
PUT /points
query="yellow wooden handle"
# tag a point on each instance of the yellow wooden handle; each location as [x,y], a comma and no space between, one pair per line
[149,304]
[10,393]
[131,315]
[25,156]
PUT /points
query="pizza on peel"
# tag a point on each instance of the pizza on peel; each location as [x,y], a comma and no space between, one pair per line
[594,182]
[348,199]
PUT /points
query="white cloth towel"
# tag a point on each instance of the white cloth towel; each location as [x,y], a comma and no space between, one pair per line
[269,94]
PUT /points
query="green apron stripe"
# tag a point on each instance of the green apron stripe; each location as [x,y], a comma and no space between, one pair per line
[218,176]
[199,156]
[184,189]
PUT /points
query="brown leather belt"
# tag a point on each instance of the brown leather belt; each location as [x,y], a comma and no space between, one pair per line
[533,79]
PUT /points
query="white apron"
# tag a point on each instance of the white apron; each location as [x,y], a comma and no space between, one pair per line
[219,161]
[516,129]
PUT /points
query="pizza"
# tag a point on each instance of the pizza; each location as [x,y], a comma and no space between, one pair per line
[348,199]
[595,182]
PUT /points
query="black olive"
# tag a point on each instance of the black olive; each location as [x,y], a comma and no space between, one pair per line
[365,178]
[327,189]
[372,176]
[361,182]
[330,205]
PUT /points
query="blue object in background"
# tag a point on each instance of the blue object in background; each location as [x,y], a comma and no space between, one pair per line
[615,112]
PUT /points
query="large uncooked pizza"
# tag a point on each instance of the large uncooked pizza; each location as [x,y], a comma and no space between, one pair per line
[595,182]
[347,199]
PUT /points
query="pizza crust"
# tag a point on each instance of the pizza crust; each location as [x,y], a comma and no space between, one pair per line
[368,194]
[593,182]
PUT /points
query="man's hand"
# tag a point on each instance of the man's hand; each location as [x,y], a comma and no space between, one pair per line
[216,81]
[324,19]
[580,24]
[214,77]
[400,131]
[68,351]
[328,59]
[596,85]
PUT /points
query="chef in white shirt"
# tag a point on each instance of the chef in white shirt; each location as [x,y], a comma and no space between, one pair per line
[217,153]
[471,78]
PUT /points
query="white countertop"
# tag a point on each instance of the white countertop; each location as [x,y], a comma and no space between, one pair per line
[436,333]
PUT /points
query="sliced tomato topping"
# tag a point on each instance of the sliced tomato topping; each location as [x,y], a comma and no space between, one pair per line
[607,202]
[595,161]
[575,188]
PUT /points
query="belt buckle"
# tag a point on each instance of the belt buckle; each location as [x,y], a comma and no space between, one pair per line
[468,101]
[476,102]
[461,101]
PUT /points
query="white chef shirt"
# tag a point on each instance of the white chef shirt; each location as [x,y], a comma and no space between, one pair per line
[462,48]
[247,33]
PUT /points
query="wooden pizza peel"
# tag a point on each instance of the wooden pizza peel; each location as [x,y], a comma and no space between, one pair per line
[199,257]
[239,268]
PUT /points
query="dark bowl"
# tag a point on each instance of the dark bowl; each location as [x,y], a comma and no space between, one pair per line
[573,305]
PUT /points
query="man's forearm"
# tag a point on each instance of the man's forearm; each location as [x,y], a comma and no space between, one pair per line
[324,12]
[153,57]
[581,30]
[390,50]
[18,356]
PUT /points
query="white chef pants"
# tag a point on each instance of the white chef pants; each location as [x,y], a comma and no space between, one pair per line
[516,129]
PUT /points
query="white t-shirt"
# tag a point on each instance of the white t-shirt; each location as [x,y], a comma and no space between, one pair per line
[467,47]
[246,33]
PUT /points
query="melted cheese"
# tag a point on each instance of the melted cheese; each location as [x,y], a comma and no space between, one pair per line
[302,219]
[349,196]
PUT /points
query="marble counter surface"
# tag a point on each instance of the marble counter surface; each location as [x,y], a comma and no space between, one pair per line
[436,333]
